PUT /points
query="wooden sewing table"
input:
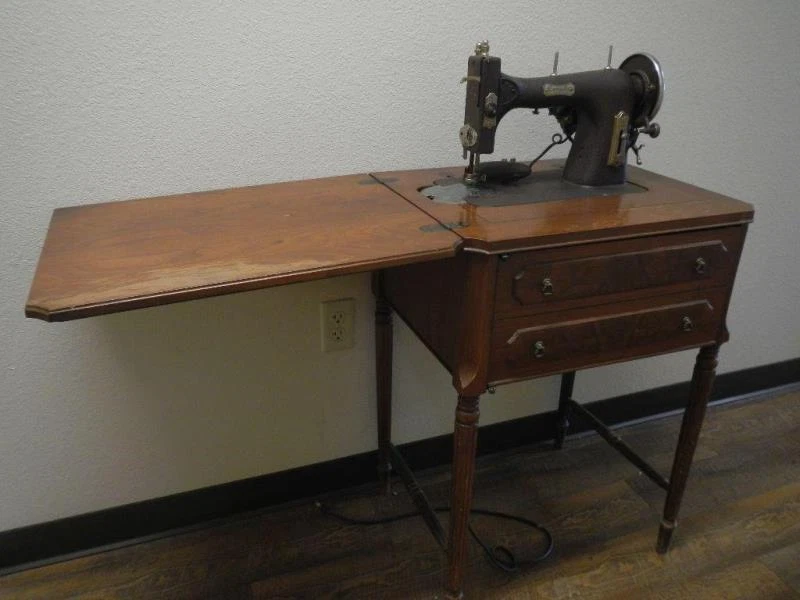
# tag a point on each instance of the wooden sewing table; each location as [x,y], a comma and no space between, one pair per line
[498,294]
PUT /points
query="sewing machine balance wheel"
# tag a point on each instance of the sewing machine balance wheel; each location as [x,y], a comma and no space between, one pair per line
[646,69]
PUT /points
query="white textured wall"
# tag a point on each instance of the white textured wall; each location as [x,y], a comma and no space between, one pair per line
[112,100]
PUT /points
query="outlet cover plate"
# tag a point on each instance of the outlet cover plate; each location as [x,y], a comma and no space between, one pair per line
[338,324]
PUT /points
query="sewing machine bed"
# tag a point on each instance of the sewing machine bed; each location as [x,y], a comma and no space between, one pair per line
[665,205]
[546,186]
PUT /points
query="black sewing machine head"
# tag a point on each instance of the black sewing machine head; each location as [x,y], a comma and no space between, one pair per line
[601,112]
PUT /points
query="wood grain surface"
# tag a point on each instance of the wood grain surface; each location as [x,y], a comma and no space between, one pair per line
[116,256]
[739,537]
[592,336]
[429,298]
[614,272]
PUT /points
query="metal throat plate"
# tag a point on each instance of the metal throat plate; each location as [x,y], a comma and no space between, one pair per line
[546,186]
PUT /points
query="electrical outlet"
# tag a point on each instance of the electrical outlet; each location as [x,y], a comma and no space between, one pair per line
[338,324]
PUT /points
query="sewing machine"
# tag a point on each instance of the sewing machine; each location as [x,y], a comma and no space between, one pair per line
[602,113]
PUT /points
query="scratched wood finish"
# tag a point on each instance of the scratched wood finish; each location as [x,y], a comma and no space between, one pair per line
[121,255]
[668,205]
[739,538]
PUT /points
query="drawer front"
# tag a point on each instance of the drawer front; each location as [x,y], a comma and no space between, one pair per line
[538,281]
[533,346]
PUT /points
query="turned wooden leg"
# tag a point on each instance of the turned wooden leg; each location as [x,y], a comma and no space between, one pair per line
[465,438]
[383,372]
[702,381]
[562,418]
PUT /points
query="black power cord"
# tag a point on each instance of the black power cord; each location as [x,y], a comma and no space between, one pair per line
[500,556]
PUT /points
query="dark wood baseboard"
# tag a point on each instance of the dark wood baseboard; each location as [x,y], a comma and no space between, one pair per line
[46,542]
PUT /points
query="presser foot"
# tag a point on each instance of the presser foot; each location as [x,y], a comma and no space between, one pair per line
[501,171]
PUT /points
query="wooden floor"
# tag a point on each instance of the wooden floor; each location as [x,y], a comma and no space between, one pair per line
[739,535]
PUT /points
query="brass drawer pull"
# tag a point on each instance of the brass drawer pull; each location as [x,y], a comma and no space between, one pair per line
[700,266]
[547,286]
[538,349]
[686,324]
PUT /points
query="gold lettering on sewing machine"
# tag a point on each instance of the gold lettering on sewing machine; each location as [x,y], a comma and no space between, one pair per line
[558,89]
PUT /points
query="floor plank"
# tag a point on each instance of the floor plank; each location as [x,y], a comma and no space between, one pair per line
[738,535]
[785,562]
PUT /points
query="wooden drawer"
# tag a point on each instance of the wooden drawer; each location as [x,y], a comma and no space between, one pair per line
[533,346]
[564,278]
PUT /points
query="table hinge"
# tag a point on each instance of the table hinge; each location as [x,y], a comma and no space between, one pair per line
[434,227]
